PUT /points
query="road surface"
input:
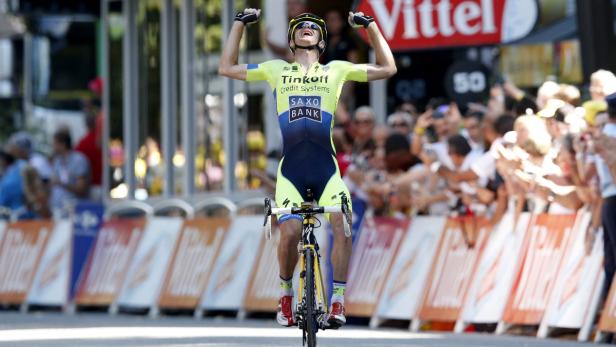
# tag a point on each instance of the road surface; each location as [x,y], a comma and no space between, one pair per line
[103,330]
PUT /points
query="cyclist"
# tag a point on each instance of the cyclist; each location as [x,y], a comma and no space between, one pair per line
[306,94]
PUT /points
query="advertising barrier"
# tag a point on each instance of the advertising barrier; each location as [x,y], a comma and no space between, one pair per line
[86,225]
[493,279]
[452,270]
[227,286]
[543,249]
[370,263]
[21,251]
[574,300]
[406,282]
[147,270]
[192,262]
[108,262]
[51,282]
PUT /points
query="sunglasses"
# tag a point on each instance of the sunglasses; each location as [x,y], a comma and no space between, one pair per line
[364,121]
[308,25]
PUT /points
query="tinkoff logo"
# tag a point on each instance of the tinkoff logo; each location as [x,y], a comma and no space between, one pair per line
[305,107]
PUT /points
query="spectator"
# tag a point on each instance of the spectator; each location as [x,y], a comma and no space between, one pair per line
[401,123]
[608,193]
[602,84]
[22,146]
[11,185]
[71,173]
[363,120]
[473,130]
[91,146]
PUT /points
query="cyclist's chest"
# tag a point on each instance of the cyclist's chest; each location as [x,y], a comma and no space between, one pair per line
[316,87]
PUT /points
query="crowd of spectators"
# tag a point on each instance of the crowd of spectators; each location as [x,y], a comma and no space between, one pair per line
[33,185]
[549,152]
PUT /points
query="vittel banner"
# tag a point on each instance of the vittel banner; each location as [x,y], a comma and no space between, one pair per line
[412,24]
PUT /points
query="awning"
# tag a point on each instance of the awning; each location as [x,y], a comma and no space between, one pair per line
[561,30]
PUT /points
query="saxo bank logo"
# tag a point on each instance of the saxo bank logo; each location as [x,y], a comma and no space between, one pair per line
[304,107]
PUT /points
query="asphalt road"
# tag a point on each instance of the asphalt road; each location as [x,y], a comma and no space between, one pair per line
[102,330]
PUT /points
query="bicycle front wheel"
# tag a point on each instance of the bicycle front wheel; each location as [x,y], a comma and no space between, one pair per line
[310,325]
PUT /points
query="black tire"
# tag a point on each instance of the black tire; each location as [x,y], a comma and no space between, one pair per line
[310,325]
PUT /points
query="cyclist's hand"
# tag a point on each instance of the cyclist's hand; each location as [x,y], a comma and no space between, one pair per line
[359,19]
[248,16]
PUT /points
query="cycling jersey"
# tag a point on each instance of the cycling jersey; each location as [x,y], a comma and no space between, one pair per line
[305,102]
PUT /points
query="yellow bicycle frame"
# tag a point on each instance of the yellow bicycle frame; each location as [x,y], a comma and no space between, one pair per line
[321,301]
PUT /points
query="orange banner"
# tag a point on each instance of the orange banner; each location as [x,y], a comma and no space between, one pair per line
[453,268]
[192,262]
[20,253]
[543,249]
[109,261]
[371,261]
[608,316]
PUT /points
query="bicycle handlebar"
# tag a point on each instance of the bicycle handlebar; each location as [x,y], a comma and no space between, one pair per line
[310,210]
[306,210]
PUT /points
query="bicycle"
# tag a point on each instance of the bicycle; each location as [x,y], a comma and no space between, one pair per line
[312,310]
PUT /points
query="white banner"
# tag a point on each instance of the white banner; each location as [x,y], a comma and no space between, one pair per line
[229,279]
[2,229]
[50,286]
[578,281]
[491,285]
[404,288]
[145,275]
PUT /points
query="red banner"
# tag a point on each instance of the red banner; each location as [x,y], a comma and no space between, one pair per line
[544,247]
[109,262]
[371,261]
[193,261]
[458,255]
[442,23]
[20,253]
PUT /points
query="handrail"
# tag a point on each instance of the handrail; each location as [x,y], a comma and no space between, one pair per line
[175,203]
[128,205]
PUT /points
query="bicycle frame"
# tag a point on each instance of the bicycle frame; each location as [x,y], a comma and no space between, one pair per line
[308,243]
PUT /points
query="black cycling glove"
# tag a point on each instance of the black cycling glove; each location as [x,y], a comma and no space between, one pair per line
[247,17]
[362,20]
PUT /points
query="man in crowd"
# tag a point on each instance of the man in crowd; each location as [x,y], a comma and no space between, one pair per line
[71,173]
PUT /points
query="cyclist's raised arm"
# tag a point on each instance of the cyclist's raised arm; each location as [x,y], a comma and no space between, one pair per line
[385,66]
[228,65]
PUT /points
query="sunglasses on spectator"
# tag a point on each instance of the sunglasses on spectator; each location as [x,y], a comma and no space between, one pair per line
[364,121]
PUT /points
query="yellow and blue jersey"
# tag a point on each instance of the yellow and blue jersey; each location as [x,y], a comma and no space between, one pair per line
[305,102]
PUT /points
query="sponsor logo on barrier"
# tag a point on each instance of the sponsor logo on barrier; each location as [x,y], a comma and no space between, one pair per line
[50,285]
[544,247]
[572,303]
[20,254]
[406,282]
[199,243]
[453,269]
[109,262]
[371,261]
[495,271]
[150,262]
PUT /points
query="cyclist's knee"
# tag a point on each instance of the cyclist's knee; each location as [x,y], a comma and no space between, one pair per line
[290,229]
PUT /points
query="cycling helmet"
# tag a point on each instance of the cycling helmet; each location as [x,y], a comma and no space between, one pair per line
[308,17]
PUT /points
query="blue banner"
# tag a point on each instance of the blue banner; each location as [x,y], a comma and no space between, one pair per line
[87,223]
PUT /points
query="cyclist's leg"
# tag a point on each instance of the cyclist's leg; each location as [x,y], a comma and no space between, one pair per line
[341,250]
[290,225]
